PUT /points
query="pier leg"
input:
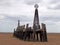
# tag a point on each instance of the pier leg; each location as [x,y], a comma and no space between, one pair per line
[37,36]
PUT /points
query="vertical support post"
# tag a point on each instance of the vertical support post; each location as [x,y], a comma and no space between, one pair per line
[14,32]
[44,34]
[37,35]
[26,33]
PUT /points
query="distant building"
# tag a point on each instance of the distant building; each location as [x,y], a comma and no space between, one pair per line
[35,34]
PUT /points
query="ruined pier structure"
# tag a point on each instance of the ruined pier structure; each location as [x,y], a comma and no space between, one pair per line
[35,33]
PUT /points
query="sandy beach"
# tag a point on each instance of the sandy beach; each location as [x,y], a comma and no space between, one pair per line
[8,39]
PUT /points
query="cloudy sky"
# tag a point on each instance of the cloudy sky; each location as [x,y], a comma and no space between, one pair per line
[12,10]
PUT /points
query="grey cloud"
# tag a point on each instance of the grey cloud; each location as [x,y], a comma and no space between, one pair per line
[57,7]
[5,3]
[31,2]
[54,2]
[22,18]
[50,18]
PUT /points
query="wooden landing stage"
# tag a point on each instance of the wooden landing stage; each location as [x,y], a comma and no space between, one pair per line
[31,36]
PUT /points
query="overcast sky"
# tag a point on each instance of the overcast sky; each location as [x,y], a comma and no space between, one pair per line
[12,10]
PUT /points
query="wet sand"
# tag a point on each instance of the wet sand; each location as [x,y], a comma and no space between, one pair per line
[8,39]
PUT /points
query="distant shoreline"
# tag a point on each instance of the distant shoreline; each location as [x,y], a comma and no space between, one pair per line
[6,32]
[13,32]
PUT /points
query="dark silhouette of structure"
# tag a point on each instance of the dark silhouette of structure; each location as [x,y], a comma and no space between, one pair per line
[32,34]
